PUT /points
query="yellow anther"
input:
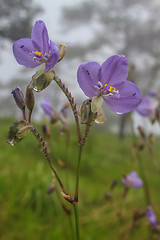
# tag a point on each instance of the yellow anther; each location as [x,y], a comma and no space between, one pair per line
[38,53]
[105,85]
[111,89]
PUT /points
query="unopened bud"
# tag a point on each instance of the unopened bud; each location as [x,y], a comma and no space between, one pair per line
[86,115]
[51,188]
[41,80]
[151,138]
[113,184]
[142,133]
[30,98]
[46,131]
[62,51]
[152,118]
[158,113]
[19,98]
[64,110]
[14,135]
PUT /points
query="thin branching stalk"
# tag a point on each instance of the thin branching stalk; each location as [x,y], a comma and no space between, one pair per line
[72,103]
[45,152]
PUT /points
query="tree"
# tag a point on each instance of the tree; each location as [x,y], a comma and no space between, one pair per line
[16,18]
[128,27]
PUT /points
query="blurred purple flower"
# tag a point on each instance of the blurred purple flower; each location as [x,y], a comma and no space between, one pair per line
[37,50]
[152,93]
[132,180]
[47,106]
[109,81]
[151,216]
[145,108]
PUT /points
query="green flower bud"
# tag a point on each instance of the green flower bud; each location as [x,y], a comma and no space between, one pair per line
[17,132]
[30,98]
[86,115]
[41,80]
[19,98]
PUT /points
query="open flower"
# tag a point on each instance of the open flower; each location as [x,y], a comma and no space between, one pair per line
[37,50]
[145,109]
[132,180]
[108,83]
[47,106]
[151,217]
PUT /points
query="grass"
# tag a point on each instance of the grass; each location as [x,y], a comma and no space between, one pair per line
[28,212]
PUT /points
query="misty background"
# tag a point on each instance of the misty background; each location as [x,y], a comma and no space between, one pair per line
[93,30]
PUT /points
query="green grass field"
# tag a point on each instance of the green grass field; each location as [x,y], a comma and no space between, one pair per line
[28,212]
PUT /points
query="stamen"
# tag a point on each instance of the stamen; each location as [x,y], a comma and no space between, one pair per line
[111,89]
[105,85]
[38,53]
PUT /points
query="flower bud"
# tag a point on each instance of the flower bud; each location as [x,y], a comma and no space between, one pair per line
[15,135]
[46,131]
[158,113]
[141,132]
[51,188]
[62,51]
[86,115]
[30,98]
[19,98]
[41,80]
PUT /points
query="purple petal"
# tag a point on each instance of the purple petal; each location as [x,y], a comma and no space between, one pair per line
[137,183]
[151,216]
[129,98]
[145,107]
[133,175]
[40,36]
[88,77]
[114,70]
[47,106]
[22,50]
[54,56]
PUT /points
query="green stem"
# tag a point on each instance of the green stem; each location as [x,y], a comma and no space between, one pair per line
[86,132]
[145,186]
[75,206]
[45,152]
[77,175]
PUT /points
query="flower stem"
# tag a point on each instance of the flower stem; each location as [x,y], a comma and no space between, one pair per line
[86,132]
[77,175]
[72,103]
[45,152]
[146,187]
[75,206]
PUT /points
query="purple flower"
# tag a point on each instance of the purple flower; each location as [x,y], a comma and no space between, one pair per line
[109,82]
[37,50]
[132,180]
[152,93]
[151,217]
[145,108]
[47,106]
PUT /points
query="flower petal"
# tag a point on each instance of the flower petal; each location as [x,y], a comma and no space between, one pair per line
[145,108]
[137,183]
[40,36]
[128,99]
[54,56]
[88,77]
[114,69]
[22,50]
